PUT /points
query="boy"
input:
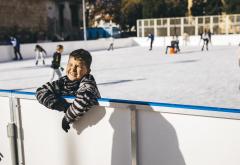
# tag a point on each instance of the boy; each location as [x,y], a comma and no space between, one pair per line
[77,82]
[56,63]
[39,53]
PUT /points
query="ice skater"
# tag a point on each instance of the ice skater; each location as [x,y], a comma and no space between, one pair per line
[56,63]
[151,37]
[111,43]
[40,52]
[16,47]
[174,45]
[205,38]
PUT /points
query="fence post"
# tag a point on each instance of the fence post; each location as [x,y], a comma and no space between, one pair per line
[21,158]
[12,132]
[134,135]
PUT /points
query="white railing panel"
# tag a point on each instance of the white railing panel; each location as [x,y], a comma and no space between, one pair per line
[4,140]
[102,136]
[187,140]
[92,45]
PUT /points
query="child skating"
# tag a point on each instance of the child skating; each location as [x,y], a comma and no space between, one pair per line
[56,69]
[40,53]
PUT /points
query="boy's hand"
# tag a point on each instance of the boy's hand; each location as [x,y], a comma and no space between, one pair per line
[65,124]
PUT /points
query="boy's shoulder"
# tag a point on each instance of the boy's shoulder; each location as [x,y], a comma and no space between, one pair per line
[88,84]
[88,78]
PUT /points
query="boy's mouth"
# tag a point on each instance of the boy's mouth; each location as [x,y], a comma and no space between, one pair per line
[74,75]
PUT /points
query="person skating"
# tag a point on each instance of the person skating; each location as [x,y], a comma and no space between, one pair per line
[111,43]
[56,63]
[40,52]
[78,82]
[174,45]
[151,37]
[16,47]
[205,37]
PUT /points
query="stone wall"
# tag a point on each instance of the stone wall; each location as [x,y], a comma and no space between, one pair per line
[23,14]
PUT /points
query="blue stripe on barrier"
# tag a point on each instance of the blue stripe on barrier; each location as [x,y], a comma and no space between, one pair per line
[24,93]
[5,91]
[16,92]
[193,107]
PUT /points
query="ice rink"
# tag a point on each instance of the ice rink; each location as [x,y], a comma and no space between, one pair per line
[192,77]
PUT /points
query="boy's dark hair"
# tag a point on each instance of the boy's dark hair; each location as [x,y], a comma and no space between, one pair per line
[60,47]
[82,54]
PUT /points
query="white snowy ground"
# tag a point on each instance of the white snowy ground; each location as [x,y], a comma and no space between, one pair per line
[191,77]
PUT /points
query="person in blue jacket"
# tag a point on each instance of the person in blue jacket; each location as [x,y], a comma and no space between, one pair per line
[16,47]
[151,37]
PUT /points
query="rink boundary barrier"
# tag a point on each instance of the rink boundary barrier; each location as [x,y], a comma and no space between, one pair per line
[143,103]
[16,141]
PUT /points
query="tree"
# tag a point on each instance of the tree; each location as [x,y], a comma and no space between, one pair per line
[213,7]
[164,8]
[197,8]
[131,11]
[154,8]
[176,8]
[232,6]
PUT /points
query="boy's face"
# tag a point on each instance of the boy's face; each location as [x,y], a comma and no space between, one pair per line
[60,50]
[76,69]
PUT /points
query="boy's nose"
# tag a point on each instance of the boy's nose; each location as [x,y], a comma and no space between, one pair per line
[74,68]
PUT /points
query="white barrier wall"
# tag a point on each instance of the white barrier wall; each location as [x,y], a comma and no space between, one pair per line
[166,134]
[27,50]
[193,40]
[4,140]
[175,139]
[92,140]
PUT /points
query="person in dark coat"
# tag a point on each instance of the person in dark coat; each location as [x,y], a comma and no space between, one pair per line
[151,37]
[56,68]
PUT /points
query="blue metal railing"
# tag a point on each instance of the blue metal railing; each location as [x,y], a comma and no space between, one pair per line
[156,104]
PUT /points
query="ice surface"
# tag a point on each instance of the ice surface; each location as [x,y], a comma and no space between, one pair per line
[193,77]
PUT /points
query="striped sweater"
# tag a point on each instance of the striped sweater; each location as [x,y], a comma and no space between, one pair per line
[85,90]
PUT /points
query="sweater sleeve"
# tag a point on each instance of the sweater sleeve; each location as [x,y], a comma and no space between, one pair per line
[86,97]
[50,96]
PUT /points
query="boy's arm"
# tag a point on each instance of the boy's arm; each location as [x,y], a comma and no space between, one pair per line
[86,97]
[50,96]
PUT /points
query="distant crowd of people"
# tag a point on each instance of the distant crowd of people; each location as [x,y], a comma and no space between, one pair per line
[205,36]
